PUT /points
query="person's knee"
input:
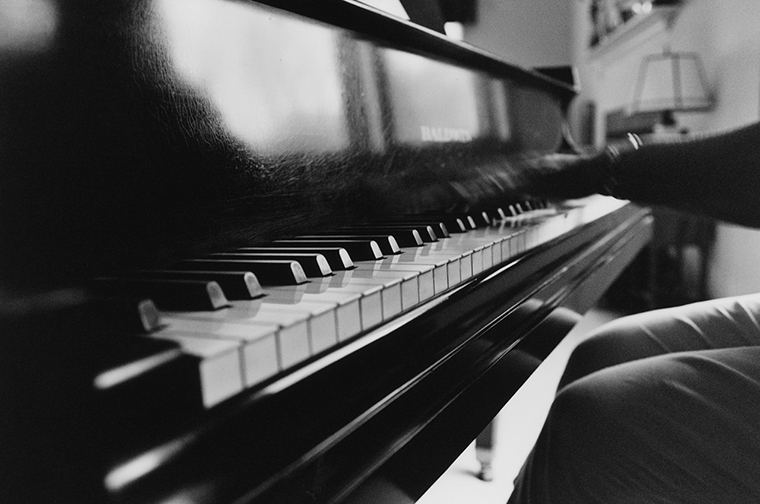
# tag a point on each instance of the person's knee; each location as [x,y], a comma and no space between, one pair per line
[617,342]
[618,397]
[594,353]
[584,402]
[623,430]
[598,417]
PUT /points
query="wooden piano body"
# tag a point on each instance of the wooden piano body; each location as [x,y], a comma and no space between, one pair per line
[134,134]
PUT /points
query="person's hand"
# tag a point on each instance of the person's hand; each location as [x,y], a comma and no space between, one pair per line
[563,176]
[514,179]
[554,176]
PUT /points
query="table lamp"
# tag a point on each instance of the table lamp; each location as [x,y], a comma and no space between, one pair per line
[670,82]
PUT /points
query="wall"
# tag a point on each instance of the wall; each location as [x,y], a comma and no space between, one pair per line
[726,35]
[733,52]
[525,32]
[551,32]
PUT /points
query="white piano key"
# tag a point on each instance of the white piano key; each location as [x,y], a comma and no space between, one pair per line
[260,360]
[517,243]
[487,257]
[371,302]
[512,245]
[466,266]
[322,322]
[447,271]
[485,235]
[496,258]
[390,294]
[454,273]
[427,285]
[481,249]
[522,242]
[440,263]
[425,280]
[347,311]
[323,327]
[349,321]
[470,255]
[506,251]
[260,356]
[220,364]
[485,240]
[410,292]
[294,345]
[492,243]
[441,277]
[293,336]
[528,235]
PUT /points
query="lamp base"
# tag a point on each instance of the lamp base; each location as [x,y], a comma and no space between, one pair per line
[667,125]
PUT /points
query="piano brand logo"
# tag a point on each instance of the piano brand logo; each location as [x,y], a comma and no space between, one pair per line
[433,134]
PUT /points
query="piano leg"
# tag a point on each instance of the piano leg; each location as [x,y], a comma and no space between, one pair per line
[484,450]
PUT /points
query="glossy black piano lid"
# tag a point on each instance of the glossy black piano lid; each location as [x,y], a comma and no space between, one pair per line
[134,133]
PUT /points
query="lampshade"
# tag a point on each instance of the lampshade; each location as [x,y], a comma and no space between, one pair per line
[671,81]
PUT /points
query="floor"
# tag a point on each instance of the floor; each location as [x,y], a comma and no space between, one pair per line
[516,432]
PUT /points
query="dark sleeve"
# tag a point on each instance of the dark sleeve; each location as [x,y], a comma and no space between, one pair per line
[718,176]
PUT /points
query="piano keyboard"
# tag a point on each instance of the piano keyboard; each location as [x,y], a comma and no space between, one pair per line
[325,289]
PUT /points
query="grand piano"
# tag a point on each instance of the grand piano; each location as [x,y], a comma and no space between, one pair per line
[271,251]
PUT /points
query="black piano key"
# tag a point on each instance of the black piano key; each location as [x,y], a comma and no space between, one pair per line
[431,228]
[499,214]
[133,314]
[440,229]
[338,258]
[167,294]
[235,284]
[404,236]
[454,224]
[388,244]
[269,272]
[148,315]
[482,218]
[360,250]
[468,221]
[426,232]
[314,265]
[533,207]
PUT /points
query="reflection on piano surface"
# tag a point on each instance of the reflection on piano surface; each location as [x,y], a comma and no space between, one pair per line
[252,252]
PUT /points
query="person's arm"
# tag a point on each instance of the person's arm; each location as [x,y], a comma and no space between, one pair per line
[718,176]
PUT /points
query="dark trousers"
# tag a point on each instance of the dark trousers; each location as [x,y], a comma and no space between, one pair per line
[659,407]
